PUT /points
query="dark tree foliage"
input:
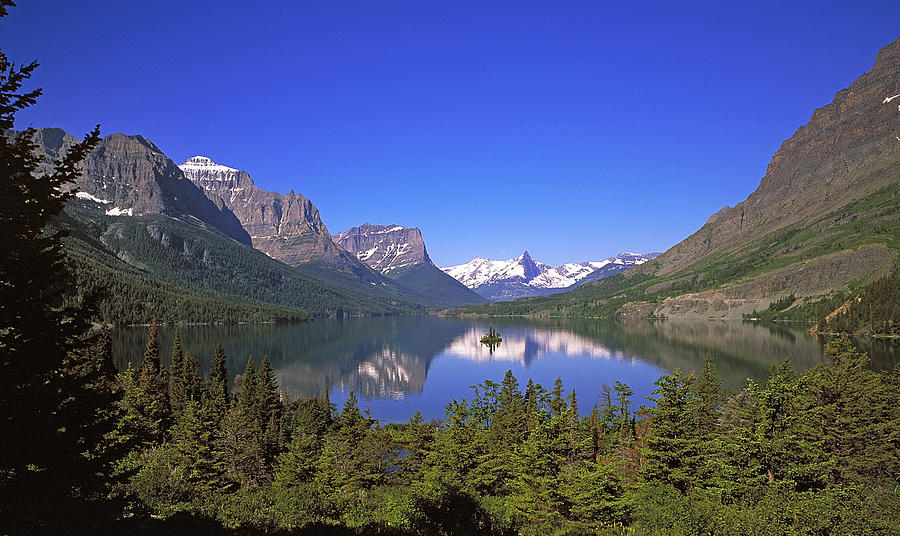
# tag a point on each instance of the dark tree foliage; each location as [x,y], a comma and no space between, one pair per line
[54,382]
[177,389]
[776,457]
[875,310]
[218,382]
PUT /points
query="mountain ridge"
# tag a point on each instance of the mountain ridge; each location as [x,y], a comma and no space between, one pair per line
[824,220]
[522,276]
[399,253]
[132,176]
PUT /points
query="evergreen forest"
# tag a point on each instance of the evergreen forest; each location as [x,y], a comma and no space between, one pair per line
[172,449]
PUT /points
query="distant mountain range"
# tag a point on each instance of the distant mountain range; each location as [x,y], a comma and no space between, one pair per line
[200,242]
[523,276]
[399,253]
[823,223]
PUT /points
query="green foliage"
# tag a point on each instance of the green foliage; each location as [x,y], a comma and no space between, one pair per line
[155,265]
[218,396]
[798,454]
[783,303]
[875,310]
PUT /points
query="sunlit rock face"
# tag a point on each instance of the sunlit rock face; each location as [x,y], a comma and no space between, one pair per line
[285,227]
[385,247]
[399,253]
[129,175]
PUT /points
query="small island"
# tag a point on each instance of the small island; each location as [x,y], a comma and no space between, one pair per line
[492,338]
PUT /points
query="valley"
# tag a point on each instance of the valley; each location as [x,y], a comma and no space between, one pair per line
[186,349]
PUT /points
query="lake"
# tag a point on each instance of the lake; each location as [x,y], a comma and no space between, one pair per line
[399,364]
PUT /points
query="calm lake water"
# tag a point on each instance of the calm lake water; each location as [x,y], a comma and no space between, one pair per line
[399,364]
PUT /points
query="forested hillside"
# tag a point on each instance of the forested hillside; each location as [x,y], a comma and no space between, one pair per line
[135,263]
[808,453]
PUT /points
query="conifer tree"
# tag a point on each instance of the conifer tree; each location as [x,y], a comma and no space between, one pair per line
[177,395]
[151,364]
[509,422]
[418,442]
[218,382]
[557,403]
[193,449]
[849,416]
[267,398]
[673,453]
[246,396]
[41,458]
[709,396]
[623,394]
[191,380]
[238,444]
[596,496]
[268,408]
[154,402]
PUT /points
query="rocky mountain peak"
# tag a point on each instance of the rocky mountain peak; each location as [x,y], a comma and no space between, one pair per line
[128,175]
[523,276]
[285,227]
[526,267]
[385,247]
[820,167]
[204,163]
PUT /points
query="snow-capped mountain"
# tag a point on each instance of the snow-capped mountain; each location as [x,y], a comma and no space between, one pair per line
[384,247]
[524,276]
[399,253]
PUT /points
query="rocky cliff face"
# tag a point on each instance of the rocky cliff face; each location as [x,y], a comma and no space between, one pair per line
[130,176]
[399,254]
[384,247]
[849,149]
[285,227]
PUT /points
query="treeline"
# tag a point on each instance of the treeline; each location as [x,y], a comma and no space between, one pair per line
[122,296]
[815,453]
[874,310]
[158,255]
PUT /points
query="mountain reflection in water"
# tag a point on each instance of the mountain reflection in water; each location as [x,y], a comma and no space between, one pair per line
[400,364]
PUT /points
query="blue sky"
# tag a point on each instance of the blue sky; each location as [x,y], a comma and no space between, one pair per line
[572,129]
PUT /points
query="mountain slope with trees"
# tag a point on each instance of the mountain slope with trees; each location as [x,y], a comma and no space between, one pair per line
[122,258]
[825,219]
[171,239]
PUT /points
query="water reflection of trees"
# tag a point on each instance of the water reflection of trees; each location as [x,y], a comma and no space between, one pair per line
[390,357]
[377,357]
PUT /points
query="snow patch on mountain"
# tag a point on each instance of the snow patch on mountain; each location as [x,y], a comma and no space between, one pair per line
[89,197]
[203,163]
[514,277]
[384,247]
[116,211]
